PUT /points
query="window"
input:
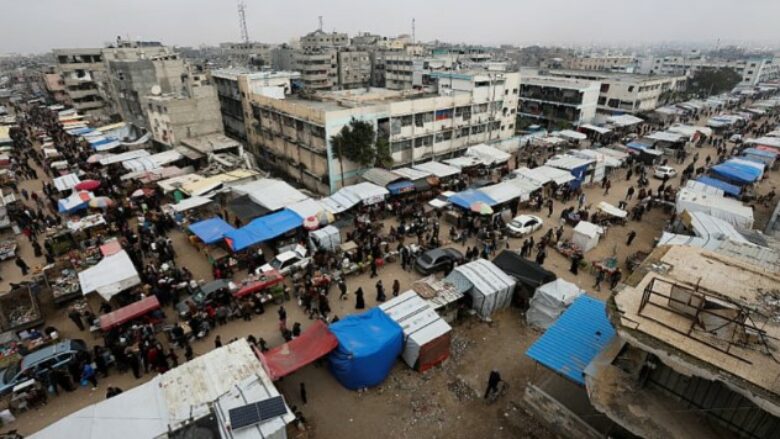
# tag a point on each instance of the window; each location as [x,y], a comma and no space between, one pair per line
[630,88]
[423,141]
[400,146]
[443,136]
[406,121]
[444,114]
[420,119]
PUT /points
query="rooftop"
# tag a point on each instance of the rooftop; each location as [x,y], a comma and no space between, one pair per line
[210,143]
[234,72]
[548,81]
[616,76]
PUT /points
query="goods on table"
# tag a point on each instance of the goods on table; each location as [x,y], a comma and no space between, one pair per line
[66,284]
[7,249]
[568,249]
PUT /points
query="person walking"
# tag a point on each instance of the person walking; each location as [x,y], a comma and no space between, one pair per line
[282,317]
[541,256]
[599,279]
[304,399]
[493,381]
[342,289]
[549,207]
[615,278]
[396,288]
[22,265]
[607,187]
[373,268]
[631,236]
[380,291]
[218,342]
[75,317]
[360,303]
[575,264]
[630,193]
[88,374]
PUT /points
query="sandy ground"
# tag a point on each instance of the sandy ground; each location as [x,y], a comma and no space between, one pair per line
[444,402]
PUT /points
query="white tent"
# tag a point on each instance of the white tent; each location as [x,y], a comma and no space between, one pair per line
[624,120]
[697,186]
[190,203]
[586,235]
[270,193]
[488,286]
[727,209]
[438,169]
[110,276]
[569,134]
[66,182]
[426,334]
[542,175]
[550,301]
[487,154]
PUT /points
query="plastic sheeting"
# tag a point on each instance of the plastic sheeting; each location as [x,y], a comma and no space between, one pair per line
[487,154]
[730,210]
[525,271]
[110,276]
[470,196]
[736,173]
[489,287]
[368,346]
[271,194]
[426,334]
[129,312]
[263,229]
[75,202]
[586,235]
[437,168]
[314,343]
[211,230]
[550,301]
[66,182]
[719,185]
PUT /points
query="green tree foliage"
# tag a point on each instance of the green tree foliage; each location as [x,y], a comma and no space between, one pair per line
[355,142]
[707,82]
[384,159]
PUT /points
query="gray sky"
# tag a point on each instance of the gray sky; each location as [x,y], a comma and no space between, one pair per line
[39,25]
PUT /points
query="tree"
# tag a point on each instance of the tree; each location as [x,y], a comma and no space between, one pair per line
[706,82]
[384,159]
[355,142]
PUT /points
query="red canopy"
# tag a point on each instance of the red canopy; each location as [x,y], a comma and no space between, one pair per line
[111,247]
[129,312]
[88,185]
[267,279]
[314,343]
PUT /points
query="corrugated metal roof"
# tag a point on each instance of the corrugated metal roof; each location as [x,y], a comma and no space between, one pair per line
[438,169]
[381,177]
[570,344]
[412,174]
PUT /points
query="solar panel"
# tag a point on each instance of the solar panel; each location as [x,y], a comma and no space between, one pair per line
[256,412]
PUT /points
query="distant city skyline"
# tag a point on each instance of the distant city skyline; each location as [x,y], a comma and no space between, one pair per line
[41,25]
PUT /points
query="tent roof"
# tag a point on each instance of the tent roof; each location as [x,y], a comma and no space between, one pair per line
[416,317]
[570,134]
[380,177]
[485,276]
[129,312]
[263,229]
[705,226]
[66,182]
[737,172]
[306,208]
[561,291]
[129,155]
[313,343]
[704,188]
[568,162]
[437,168]
[598,129]
[340,201]
[527,272]
[191,203]
[110,276]
[545,174]
[665,136]
[760,152]
[463,162]
[412,174]
[211,230]
[720,185]
[468,197]
[588,229]
[571,343]
[487,154]
[624,120]
[367,192]
[270,193]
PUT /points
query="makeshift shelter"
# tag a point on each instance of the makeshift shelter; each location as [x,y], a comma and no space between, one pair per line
[488,286]
[543,175]
[509,190]
[732,211]
[757,165]
[586,235]
[574,340]
[426,334]
[488,155]
[708,226]
[341,201]
[612,210]
[736,173]
[212,230]
[578,167]
[245,209]
[129,312]
[369,343]
[624,120]
[306,208]
[327,238]
[263,229]
[767,157]
[314,343]
[719,185]
[467,198]
[437,168]
[191,203]
[550,301]
[271,194]
[110,276]
[119,158]
[526,272]
[570,135]
[75,202]
[66,182]
[393,182]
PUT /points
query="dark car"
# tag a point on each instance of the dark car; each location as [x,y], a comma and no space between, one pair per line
[204,295]
[437,259]
[36,363]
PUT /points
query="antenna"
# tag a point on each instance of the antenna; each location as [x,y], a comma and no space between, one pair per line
[242,21]
[320,18]
[414,40]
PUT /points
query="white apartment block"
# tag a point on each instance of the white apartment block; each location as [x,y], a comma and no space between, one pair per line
[752,71]
[558,100]
[599,62]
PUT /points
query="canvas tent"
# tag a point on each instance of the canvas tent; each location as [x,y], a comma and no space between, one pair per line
[66,182]
[490,288]
[426,334]
[550,301]
[438,169]
[488,155]
[730,210]
[263,229]
[542,175]
[110,276]
[369,343]
[717,187]
[586,235]
[271,194]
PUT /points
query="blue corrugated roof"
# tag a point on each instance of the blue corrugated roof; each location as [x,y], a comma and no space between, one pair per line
[571,343]
[263,229]
[470,196]
[720,184]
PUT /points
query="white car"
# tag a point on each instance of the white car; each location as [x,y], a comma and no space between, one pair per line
[524,225]
[287,261]
[664,171]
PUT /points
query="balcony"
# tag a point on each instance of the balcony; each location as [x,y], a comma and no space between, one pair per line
[79,94]
[88,105]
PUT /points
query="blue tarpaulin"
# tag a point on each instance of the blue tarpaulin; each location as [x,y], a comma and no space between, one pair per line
[760,152]
[637,145]
[733,172]
[729,189]
[79,131]
[211,230]
[571,343]
[400,187]
[263,229]
[470,196]
[369,344]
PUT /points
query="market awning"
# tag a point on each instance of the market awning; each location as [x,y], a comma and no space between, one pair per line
[740,174]
[191,203]
[570,134]
[263,229]
[66,182]
[598,129]
[76,201]
[110,276]
[245,209]
[571,343]
[624,120]
[129,312]
[720,184]
[211,230]
[470,196]
[313,343]
[400,187]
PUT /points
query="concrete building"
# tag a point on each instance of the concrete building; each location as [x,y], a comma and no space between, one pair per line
[616,63]
[319,69]
[55,86]
[354,68]
[283,58]
[233,84]
[178,116]
[626,92]
[84,75]
[752,71]
[557,101]
[319,40]
[454,111]
[246,54]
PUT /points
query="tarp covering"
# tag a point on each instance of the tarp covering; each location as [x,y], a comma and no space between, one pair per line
[470,196]
[757,165]
[313,343]
[129,312]
[569,134]
[437,168]
[490,288]
[736,173]
[129,155]
[245,209]
[624,120]
[369,343]
[271,194]
[612,210]
[400,187]
[525,271]
[66,182]
[380,177]
[544,174]
[508,190]
[728,209]
[426,334]
[263,229]
[75,202]
[708,226]
[340,201]
[487,154]
[550,301]
[191,203]
[570,344]
[586,235]
[211,230]
[720,185]
[110,276]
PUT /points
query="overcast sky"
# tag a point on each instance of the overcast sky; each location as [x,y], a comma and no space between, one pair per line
[39,25]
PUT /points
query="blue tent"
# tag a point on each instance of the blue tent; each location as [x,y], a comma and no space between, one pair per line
[470,196]
[760,152]
[400,187]
[729,189]
[369,344]
[211,230]
[263,229]
[737,173]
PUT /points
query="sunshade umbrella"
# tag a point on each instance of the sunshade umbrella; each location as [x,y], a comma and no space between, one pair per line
[101,202]
[144,192]
[481,208]
[88,185]
[311,223]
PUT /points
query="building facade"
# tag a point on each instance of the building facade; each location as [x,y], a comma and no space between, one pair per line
[83,72]
[252,53]
[176,117]
[354,68]
[319,69]
[55,86]
[557,101]
[599,62]
[753,71]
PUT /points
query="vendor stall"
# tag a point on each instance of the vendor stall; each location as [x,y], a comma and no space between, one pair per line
[130,312]
[62,280]
[7,249]
[550,301]
[110,276]
[19,308]
[489,288]
[586,235]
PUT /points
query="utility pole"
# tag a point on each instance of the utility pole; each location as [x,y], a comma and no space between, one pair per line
[242,21]
[414,33]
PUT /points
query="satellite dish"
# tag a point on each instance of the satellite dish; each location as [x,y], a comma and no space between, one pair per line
[156,90]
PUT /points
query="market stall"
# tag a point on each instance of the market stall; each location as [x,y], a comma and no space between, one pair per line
[550,301]
[586,235]
[20,309]
[130,312]
[489,288]
[110,276]
[62,280]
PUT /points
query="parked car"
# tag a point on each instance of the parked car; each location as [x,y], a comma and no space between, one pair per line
[287,261]
[523,225]
[664,171]
[35,364]
[205,294]
[437,259]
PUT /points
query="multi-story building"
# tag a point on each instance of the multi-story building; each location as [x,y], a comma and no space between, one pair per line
[319,40]
[84,75]
[175,117]
[354,68]
[252,53]
[319,69]
[557,101]
[599,62]
[283,58]
[626,92]
[453,111]
[55,86]
[233,84]
[752,71]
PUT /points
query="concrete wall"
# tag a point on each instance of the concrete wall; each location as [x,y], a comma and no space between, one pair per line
[559,418]
[174,119]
